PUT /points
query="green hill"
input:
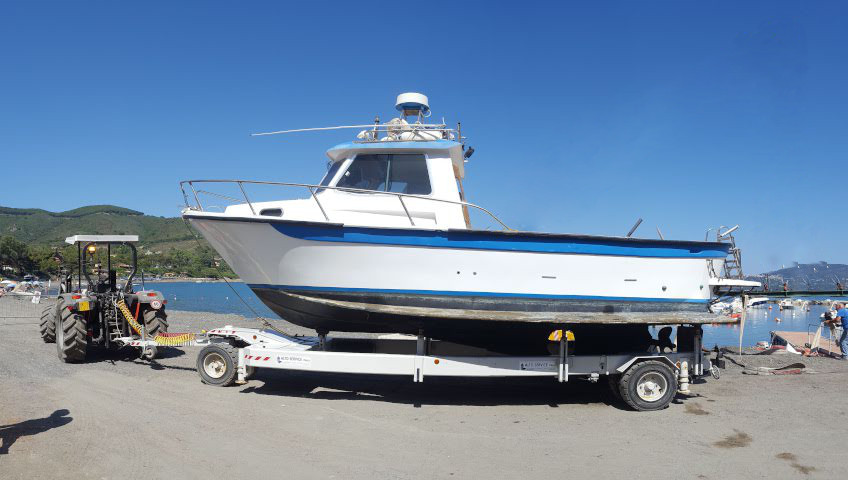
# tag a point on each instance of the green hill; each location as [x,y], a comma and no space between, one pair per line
[805,276]
[29,237]
[40,227]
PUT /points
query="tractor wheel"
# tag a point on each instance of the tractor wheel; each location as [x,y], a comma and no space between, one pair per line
[47,324]
[217,363]
[71,336]
[649,385]
[156,322]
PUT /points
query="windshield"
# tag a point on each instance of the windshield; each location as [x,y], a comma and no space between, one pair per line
[400,173]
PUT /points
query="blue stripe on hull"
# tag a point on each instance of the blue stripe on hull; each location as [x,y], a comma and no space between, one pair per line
[477,294]
[498,241]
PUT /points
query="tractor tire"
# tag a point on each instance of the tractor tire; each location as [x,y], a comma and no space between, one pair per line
[156,322]
[649,385]
[47,324]
[217,364]
[71,336]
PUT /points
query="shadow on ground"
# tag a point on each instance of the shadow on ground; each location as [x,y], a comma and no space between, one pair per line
[96,355]
[132,355]
[433,391]
[9,434]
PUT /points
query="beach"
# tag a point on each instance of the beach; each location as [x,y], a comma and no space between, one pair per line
[131,418]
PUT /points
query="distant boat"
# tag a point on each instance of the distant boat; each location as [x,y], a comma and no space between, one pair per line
[786,304]
[757,301]
[721,307]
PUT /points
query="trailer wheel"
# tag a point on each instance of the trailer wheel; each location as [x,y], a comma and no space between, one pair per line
[216,364]
[649,385]
[155,321]
[71,336]
[47,324]
[613,381]
[150,353]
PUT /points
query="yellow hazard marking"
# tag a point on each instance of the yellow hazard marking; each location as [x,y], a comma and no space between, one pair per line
[167,341]
[556,336]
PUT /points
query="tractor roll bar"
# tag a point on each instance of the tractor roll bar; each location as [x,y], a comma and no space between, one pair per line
[109,262]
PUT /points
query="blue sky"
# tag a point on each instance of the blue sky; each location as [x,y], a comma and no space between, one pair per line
[584,115]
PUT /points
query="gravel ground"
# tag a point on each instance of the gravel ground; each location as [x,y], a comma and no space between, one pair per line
[118,417]
[754,359]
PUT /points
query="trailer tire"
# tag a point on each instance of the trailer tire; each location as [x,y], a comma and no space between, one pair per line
[217,364]
[71,336]
[47,324]
[156,322]
[614,381]
[648,385]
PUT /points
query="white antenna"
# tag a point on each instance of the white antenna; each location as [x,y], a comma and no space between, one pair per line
[409,105]
[312,129]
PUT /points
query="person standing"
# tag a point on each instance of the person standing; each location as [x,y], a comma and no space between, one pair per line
[841,319]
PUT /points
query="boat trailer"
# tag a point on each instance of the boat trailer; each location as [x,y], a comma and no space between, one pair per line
[644,381]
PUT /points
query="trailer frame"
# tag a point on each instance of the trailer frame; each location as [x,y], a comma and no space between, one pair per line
[420,357]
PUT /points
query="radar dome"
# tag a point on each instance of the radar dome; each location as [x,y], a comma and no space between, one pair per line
[413,104]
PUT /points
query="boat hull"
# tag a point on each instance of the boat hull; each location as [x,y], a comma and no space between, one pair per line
[452,284]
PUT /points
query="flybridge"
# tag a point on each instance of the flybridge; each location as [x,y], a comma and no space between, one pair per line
[409,127]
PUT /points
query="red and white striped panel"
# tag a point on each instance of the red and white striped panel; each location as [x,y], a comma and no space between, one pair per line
[257,358]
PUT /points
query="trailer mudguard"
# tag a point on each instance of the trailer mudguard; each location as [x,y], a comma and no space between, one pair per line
[635,359]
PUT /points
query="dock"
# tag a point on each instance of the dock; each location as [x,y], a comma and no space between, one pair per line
[801,341]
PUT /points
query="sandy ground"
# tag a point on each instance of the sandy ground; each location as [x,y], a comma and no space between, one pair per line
[118,417]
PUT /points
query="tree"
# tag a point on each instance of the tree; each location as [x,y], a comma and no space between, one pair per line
[14,254]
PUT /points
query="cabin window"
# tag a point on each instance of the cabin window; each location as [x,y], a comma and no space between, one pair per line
[331,173]
[399,173]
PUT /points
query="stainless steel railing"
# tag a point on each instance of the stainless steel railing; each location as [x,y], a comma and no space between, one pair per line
[197,205]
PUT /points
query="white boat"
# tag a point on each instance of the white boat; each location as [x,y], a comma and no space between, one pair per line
[757,301]
[385,244]
[721,307]
[786,304]
[733,306]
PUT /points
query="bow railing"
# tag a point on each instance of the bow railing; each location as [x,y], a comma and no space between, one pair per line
[196,192]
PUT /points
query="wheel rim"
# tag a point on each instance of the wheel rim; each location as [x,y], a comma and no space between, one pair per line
[651,386]
[214,365]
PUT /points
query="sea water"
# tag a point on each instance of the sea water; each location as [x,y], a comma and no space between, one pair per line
[761,320]
[218,297]
[221,297]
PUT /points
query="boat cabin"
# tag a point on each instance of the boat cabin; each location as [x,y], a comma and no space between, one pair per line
[398,174]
